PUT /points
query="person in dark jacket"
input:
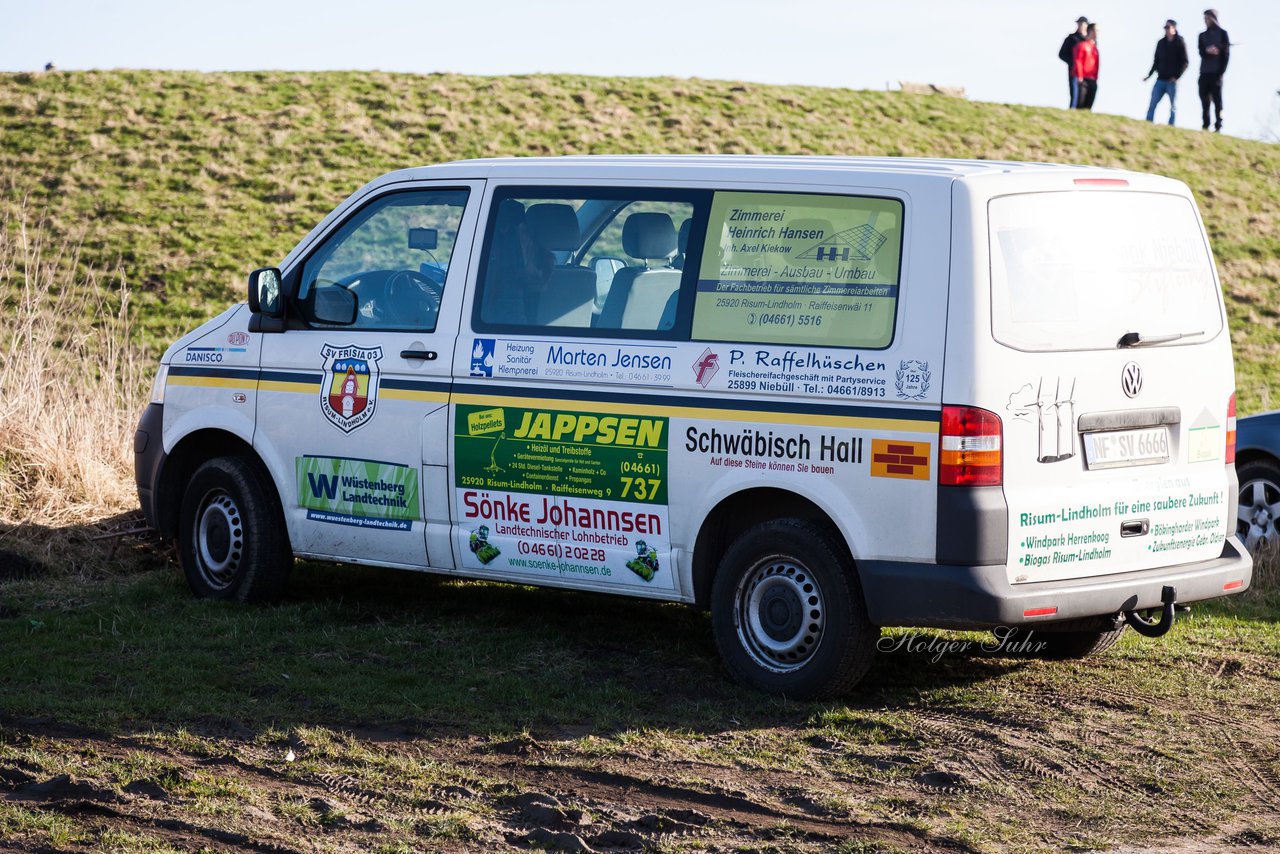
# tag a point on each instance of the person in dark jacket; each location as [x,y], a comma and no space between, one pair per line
[1084,66]
[1067,54]
[1215,50]
[1169,64]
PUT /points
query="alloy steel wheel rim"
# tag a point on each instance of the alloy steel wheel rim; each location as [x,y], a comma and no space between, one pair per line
[219,540]
[1258,514]
[780,615]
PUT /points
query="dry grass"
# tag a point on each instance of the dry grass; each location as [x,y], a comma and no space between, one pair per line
[1266,576]
[70,380]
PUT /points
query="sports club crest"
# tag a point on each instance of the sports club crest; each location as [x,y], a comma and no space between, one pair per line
[349,390]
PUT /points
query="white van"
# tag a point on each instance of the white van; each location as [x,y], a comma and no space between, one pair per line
[815,395]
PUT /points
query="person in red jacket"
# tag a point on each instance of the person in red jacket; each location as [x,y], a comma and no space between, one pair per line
[1084,65]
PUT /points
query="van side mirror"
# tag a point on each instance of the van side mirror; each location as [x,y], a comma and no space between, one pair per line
[265,294]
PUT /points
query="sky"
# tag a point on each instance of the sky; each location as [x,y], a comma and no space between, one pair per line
[1003,51]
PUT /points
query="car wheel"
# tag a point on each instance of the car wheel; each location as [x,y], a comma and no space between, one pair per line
[788,613]
[1259,505]
[231,537]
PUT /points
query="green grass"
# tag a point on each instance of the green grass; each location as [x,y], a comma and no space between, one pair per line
[421,709]
[426,703]
[183,182]
[128,655]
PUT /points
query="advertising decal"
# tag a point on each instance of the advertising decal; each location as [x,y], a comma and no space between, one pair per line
[359,493]
[561,493]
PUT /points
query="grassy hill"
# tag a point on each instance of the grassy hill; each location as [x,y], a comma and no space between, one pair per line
[382,711]
[183,181]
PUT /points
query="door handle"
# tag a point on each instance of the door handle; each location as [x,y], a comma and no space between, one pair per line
[428,355]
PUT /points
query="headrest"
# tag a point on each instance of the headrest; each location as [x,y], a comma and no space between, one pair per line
[649,235]
[683,239]
[554,226]
[510,214]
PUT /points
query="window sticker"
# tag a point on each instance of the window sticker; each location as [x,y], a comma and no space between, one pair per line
[567,494]
[800,269]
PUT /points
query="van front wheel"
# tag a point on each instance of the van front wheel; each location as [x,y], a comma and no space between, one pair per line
[788,612]
[232,542]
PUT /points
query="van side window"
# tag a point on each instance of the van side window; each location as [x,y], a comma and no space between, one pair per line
[598,262]
[785,268]
[392,256]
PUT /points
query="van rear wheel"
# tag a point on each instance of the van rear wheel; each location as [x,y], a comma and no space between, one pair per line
[788,613]
[232,541]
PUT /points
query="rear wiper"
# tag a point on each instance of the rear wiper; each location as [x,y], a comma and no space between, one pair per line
[1137,339]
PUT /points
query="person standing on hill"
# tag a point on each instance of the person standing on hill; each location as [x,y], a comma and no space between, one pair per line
[1067,54]
[1169,64]
[1084,66]
[1215,50]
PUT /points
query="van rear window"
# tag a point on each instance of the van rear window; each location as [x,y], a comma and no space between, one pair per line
[1077,271]
[785,268]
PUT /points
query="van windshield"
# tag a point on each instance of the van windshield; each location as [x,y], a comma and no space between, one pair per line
[1078,271]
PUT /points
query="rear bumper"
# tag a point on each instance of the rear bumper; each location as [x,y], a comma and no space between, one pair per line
[977,597]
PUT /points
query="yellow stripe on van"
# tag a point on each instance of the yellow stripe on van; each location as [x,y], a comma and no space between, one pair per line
[669,410]
[213,382]
[675,411]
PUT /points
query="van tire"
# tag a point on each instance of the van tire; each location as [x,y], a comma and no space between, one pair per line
[1060,646]
[1259,487]
[768,574]
[232,541]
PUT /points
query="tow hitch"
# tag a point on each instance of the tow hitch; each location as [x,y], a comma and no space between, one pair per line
[1155,628]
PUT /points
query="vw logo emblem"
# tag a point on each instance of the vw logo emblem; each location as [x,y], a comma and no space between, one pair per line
[1131,379]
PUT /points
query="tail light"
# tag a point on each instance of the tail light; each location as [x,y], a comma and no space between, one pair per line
[970,447]
[1230,455]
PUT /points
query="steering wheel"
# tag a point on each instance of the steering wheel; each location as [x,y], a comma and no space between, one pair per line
[411,298]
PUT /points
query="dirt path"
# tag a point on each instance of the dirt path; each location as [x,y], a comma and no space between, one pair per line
[531,800]
[382,789]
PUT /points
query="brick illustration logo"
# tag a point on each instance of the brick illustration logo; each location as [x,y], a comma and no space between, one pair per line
[893,458]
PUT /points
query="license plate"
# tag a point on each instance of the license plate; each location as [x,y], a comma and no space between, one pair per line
[1116,448]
